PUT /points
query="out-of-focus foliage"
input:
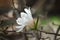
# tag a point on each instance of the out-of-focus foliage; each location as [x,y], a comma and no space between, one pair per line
[55,19]
[44,22]
[36,24]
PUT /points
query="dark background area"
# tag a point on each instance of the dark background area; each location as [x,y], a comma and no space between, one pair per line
[56,10]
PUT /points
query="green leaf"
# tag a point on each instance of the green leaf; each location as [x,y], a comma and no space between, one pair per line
[36,24]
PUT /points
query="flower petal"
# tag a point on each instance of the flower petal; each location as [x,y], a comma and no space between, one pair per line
[28,11]
[20,28]
[26,17]
[29,15]
[23,14]
[20,21]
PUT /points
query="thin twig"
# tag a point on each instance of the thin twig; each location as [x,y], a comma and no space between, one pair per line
[57,33]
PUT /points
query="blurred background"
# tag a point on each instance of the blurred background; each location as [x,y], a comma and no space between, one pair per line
[47,11]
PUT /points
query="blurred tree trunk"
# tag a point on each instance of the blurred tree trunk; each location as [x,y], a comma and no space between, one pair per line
[5,3]
[42,7]
[19,4]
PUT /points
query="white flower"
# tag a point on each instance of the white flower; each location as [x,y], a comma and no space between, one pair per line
[24,19]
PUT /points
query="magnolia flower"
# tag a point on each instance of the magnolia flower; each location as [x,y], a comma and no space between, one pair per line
[24,19]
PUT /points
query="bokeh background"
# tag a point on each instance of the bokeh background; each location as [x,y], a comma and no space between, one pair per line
[47,11]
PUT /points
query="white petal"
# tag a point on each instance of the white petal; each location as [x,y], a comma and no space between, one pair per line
[20,28]
[20,21]
[23,14]
[26,17]
[29,15]
[28,11]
